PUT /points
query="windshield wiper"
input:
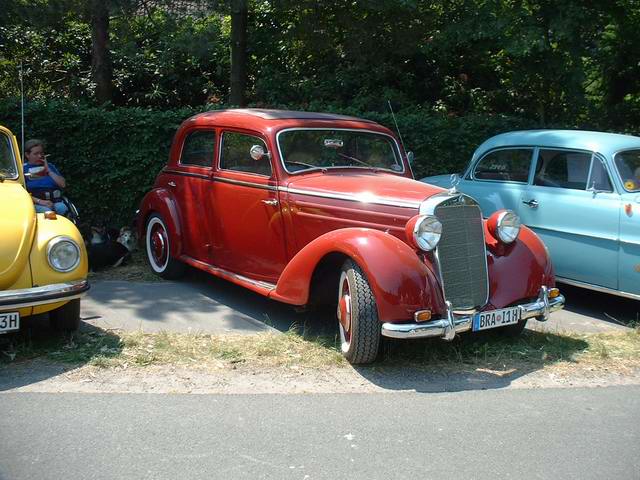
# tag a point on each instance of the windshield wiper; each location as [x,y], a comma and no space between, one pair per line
[354,159]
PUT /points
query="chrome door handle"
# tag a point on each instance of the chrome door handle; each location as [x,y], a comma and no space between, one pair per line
[172,183]
[533,203]
[271,202]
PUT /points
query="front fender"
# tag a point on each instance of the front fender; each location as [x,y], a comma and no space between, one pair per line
[518,271]
[161,201]
[48,229]
[400,281]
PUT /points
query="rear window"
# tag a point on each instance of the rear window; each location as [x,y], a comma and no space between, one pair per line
[628,165]
[199,148]
[563,169]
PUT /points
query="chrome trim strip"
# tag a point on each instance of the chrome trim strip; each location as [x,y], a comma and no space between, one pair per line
[599,237]
[185,174]
[227,273]
[352,198]
[454,323]
[245,183]
[597,288]
[356,211]
[30,297]
[629,242]
[357,223]
[396,152]
[428,206]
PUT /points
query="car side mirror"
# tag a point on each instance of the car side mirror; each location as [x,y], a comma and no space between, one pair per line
[410,158]
[257,152]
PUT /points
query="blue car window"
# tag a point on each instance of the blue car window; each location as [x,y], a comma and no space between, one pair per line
[599,179]
[507,165]
[628,164]
[563,169]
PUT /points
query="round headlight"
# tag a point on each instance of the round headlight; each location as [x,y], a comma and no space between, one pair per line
[63,254]
[508,226]
[427,232]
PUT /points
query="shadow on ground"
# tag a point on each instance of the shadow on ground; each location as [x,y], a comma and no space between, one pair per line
[38,353]
[470,362]
[604,307]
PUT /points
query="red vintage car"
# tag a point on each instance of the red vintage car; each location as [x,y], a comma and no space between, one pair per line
[314,208]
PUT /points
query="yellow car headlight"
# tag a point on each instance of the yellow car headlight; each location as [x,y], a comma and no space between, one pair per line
[63,254]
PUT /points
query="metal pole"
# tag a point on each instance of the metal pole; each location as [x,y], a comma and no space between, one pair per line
[22,109]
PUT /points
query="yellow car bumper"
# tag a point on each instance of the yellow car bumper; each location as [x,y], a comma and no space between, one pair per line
[53,293]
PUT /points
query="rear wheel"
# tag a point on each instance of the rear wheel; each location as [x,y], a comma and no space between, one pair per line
[67,317]
[158,249]
[357,316]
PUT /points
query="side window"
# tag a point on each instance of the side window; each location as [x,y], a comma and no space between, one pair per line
[599,178]
[235,154]
[509,165]
[563,169]
[7,163]
[199,148]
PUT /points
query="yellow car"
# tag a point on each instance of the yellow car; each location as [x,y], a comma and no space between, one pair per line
[43,261]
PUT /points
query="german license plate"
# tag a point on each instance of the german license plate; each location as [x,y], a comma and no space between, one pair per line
[9,321]
[496,318]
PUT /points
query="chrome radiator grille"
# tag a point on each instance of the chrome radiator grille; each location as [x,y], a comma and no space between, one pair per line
[462,255]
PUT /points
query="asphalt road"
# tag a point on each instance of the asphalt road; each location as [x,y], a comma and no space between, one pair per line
[204,303]
[521,434]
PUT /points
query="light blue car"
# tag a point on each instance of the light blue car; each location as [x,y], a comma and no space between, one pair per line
[579,191]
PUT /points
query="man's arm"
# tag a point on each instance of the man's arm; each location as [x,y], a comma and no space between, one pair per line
[55,175]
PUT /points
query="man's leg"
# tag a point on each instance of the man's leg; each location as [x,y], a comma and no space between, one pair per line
[60,208]
[42,208]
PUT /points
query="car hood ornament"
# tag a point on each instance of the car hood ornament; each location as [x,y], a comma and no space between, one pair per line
[455,180]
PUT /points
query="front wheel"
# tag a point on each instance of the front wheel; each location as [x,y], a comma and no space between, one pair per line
[158,249]
[67,317]
[357,316]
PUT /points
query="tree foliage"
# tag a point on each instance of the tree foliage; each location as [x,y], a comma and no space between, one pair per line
[573,63]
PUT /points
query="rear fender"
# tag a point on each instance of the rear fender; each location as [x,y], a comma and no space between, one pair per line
[160,200]
[400,281]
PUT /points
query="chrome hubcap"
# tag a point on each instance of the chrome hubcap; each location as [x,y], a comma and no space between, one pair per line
[344,312]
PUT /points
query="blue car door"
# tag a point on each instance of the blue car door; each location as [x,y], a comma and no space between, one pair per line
[498,179]
[629,261]
[628,166]
[573,207]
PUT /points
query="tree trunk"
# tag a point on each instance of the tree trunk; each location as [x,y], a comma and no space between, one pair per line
[101,69]
[238,52]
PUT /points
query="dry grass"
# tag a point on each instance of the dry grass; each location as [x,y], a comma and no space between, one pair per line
[531,351]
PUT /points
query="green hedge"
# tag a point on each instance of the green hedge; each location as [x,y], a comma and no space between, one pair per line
[110,157]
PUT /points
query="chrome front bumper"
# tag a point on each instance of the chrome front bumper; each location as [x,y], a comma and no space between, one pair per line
[31,297]
[454,323]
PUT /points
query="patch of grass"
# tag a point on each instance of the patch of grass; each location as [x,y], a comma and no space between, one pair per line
[533,350]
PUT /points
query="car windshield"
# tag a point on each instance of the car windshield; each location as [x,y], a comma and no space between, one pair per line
[8,167]
[305,149]
[628,164]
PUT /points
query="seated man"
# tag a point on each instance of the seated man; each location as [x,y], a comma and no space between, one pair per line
[45,182]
